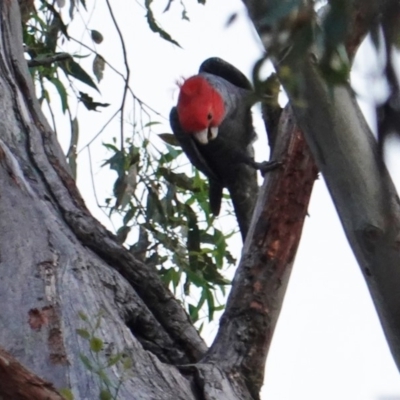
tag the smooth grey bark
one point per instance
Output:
(50, 268)
(346, 154)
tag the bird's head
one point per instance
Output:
(200, 108)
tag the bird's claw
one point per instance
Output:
(267, 166)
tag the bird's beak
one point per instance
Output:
(202, 136)
(206, 135)
(212, 132)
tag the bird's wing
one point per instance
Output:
(219, 67)
(215, 196)
(189, 146)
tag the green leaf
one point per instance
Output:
(61, 92)
(193, 313)
(114, 359)
(105, 395)
(46, 95)
(86, 362)
(151, 123)
(120, 192)
(104, 378)
(98, 67)
(96, 344)
(171, 155)
(155, 27)
(97, 37)
(83, 333)
(117, 163)
(171, 276)
(219, 241)
(89, 103)
(194, 310)
(110, 146)
(40, 21)
(99, 317)
(180, 180)
(210, 303)
(196, 279)
(56, 24)
(129, 215)
(71, 9)
(127, 364)
(122, 233)
(82, 316)
(72, 68)
(81, 56)
(201, 327)
(169, 138)
(67, 394)
(127, 187)
(154, 208)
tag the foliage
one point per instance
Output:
(155, 196)
(295, 26)
(165, 204)
(108, 390)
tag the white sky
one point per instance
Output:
(328, 343)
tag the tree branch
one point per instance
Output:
(364, 15)
(50, 164)
(46, 61)
(346, 153)
(254, 304)
(17, 383)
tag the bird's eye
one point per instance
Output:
(209, 116)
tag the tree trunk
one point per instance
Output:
(347, 155)
(57, 261)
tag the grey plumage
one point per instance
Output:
(228, 160)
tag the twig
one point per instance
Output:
(128, 72)
(46, 61)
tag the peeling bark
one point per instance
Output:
(254, 304)
(17, 383)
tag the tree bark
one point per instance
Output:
(57, 261)
(17, 383)
(346, 154)
(260, 283)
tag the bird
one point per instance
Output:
(213, 124)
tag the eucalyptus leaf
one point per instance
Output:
(153, 25)
(72, 68)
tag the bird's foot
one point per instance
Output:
(267, 166)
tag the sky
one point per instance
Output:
(328, 343)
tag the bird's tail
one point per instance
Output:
(215, 196)
(244, 192)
